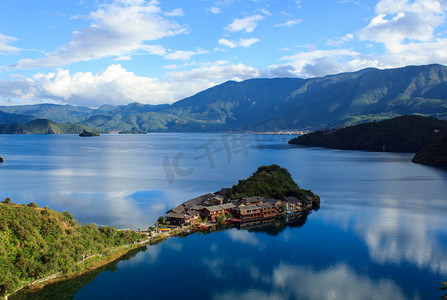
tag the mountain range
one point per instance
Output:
(270, 104)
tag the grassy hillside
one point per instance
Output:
(37, 242)
(434, 154)
(400, 134)
(43, 126)
(270, 182)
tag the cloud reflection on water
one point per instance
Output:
(304, 282)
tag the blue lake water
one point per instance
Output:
(381, 232)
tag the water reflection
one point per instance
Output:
(67, 289)
(396, 235)
(304, 282)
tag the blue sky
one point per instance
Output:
(93, 52)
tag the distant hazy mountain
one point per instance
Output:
(42, 126)
(400, 134)
(290, 103)
(8, 118)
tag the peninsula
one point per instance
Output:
(266, 195)
(401, 134)
(41, 245)
(434, 154)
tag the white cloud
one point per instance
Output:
(215, 10)
(174, 13)
(228, 43)
(247, 42)
(185, 55)
(247, 24)
(242, 42)
(320, 62)
(289, 23)
(117, 29)
(4, 44)
(399, 22)
(337, 42)
(116, 85)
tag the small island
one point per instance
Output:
(268, 194)
(1, 159)
(86, 133)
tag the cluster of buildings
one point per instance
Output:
(211, 206)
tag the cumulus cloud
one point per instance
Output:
(116, 85)
(405, 28)
(400, 22)
(107, 36)
(320, 62)
(247, 24)
(4, 44)
(289, 23)
(242, 42)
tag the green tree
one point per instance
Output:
(220, 219)
(7, 200)
(33, 205)
(161, 220)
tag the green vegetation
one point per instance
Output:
(434, 154)
(42, 126)
(401, 134)
(133, 131)
(37, 242)
(271, 182)
(87, 133)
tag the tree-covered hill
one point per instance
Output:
(271, 182)
(36, 242)
(400, 134)
(434, 154)
(43, 126)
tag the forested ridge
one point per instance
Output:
(400, 134)
(37, 242)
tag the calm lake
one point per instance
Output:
(381, 232)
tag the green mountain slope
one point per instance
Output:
(42, 126)
(38, 242)
(327, 102)
(434, 154)
(400, 134)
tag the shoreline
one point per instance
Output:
(110, 257)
